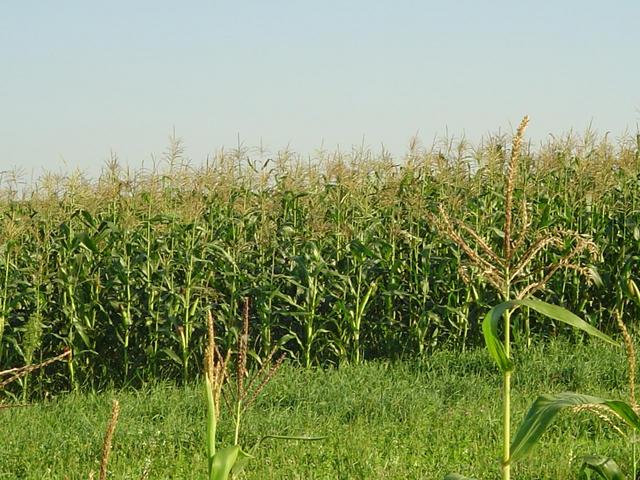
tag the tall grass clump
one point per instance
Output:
(222, 463)
(340, 251)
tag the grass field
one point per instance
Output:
(382, 420)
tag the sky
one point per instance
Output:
(80, 79)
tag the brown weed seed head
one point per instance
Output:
(108, 439)
(266, 378)
(215, 365)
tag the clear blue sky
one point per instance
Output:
(81, 78)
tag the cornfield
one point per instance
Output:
(336, 252)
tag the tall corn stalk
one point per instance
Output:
(508, 270)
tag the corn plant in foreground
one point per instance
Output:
(510, 273)
(223, 462)
(598, 465)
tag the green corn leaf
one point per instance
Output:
(83, 333)
(241, 462)
(490, 331)
(594, 275)
(456, 476)
(89, 221)
(285, 339)
(603, 467)
(226, 254)
(633, 291)
(211, 421)
(546, 407)
(492, 321)
(224, 460)
(86, 241)
(172, 355)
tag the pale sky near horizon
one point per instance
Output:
(79, 79)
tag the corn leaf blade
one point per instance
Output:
(224, 460)
(546, 407)
(211, 423)
(604, 467)
(491, 324)
(491, 336)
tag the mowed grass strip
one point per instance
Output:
(383, 420)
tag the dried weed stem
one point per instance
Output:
(22, 371)
(108, 439)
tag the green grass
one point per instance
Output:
(383, 420)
